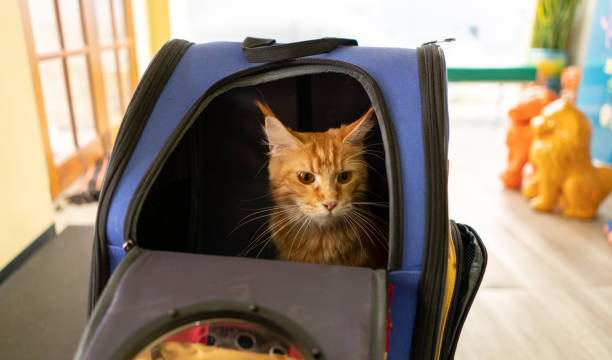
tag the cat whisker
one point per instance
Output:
(361, 153)
(366, 165)
(375, 229)
(356, 233)
(269, 208)
(370, 214)
(280, 209)
(274, 229)
(253, 243)
(260, 214)
(363, 228)
(260, 238)
(378, 155)
(378, 234)
(294, 222)
(308, 222)
(372, 194)
(373, 144)
(258, 197)
(346, 229)
(371, 203)
(263, 247)
(296, 235)
(378, 144)
(264, 165)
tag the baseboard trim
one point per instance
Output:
(23, 256)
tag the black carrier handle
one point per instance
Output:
(258, 50)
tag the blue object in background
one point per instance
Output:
(595, 92)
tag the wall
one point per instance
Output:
(151, 20)
(579, 35)
(141, 35)
(25, 202)
(159, 23)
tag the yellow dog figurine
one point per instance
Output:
(561, 157)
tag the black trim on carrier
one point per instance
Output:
(275, 71)
(148, 90)
(427, 328)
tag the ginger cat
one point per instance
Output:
(318, 181)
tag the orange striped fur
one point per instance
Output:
(302, 225)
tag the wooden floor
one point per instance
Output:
(547, 292)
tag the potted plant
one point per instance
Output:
(553, 22)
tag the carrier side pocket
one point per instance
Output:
(470, 271)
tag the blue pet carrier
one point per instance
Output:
(189, 164)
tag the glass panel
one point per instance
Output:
(56, 108)
(103, 17)
(81, 99)
(124, 69)
(221, 339)
(44, 26)
(111, 86)
(119, 19)
(70, 14)
(479, 103)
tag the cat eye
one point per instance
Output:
(306, 177)
(344, 177)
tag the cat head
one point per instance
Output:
(322, 174)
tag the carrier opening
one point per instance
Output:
(217, 175)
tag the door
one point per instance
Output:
(84, 71)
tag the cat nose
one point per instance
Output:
(330, 205)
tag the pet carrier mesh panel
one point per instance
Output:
(189, 163)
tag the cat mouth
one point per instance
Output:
(327, 218)
(324, 216)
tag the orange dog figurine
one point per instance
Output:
(532, 100)
(564, 174)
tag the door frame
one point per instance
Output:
(62, 174)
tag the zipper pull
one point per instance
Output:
(438, 42)
(128, 245)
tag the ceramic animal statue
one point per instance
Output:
(564, 174)
(318, 181)
(531, 102)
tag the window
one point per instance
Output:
(84, 72)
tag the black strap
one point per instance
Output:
(258, 50)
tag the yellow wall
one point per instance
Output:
(25, 203)
(159, 23)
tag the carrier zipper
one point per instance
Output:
(387, 131)
(432, 285)
(145, 96)
(437, 42)
(128, 245)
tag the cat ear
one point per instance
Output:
(355, 132)
(279, 137)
